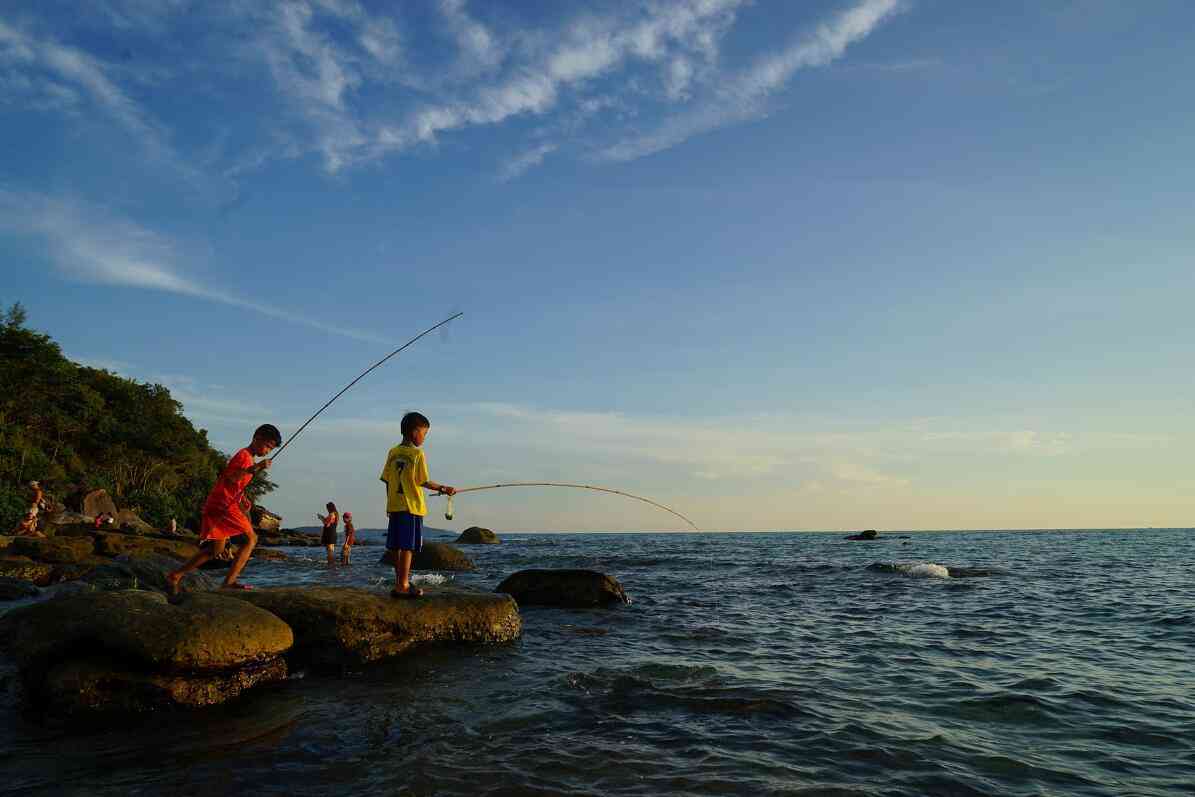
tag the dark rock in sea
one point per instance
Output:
(343, 626)
(475, 535)
(131, 650)
(98, 502)
(972, 572)
(573, 588)
(26, 569)
(868, 535)
(435, 556)
(289, 537)
(12, 589)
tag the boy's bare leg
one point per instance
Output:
(205, 554)
(243, 555)
(402, 572)
(331, 553)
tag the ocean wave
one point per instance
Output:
(912, 569)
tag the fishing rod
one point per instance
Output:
(364, 373)
(345, 389)
(448, 508)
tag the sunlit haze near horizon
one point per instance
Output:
(841, 264)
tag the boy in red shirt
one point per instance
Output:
(224, 511)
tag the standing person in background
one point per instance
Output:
(350, 539)
(328, 540)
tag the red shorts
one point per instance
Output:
(222, 523)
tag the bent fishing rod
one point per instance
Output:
(345, 389)
(448, 508)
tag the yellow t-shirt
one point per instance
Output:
(405, 472)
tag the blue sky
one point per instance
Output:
(818, 265)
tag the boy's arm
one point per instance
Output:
(439, 488)
(231, 475)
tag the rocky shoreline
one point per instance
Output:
(99, 633)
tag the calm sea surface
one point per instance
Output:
(746, 664)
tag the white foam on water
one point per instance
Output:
(430, 578)
(923, 570)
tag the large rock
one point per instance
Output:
(435, 556)
(133, 650)
(572, 588)
(475, 535)
(5, 542)
(343, 626)
(25, 569)
(97, 502)
(202, 631)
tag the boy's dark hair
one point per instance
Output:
(412, 421)
(270, 432)
(331, 507)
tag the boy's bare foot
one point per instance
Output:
(411, 591)
(236, 585)
(172, 581)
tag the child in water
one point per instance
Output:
(405, 475)
(350, 539)
(224, 511)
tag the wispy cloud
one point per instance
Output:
(744, 95)
(92, 244)
(526, 160)
(353, 83)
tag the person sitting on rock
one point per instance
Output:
(405, 475)
(224, 511)
(350, 539)
(328, 538)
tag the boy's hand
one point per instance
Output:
(264, 464)
(444, 488)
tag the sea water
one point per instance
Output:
(744, 664)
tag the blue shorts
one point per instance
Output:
(405, 532)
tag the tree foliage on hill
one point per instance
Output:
(78, 428)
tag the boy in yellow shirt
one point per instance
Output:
(405, 474)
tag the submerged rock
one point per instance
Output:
(101, 683)
(475, 535)
(435, 556)
(133, 650)
(343, 626)
(12, 589)
(572, 588)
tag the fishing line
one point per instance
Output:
(448, 509)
